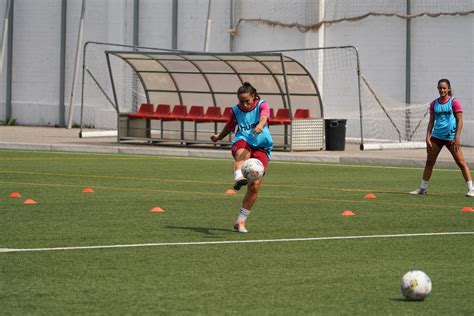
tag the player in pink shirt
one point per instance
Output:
(444, 129)
(252, 139)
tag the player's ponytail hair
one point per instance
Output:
(248, 88)
(446, 81)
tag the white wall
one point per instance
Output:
(155, 23)
(35, 87)
(192, 23)
(441, 47)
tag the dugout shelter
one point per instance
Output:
(199, 89)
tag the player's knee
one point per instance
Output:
(254, 187)
(242, 155)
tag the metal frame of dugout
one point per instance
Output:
(211, 79)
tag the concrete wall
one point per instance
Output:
(35, 86)
(441, 47)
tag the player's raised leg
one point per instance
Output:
(241, 152)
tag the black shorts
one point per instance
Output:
(441, 142)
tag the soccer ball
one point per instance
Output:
(415, 285)
(252, 169)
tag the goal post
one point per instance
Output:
(98, 106)
(374, 121)
(389, 123)
(383, 120)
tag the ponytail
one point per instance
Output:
(248, 88)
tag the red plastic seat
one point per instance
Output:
(282, 117)
(196, 112)
(213, 114)
(179, 113)
(162, 111)
(144, 110)
(302, 114)
(225, 116)
(272, 115)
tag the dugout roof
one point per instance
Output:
(212, 79)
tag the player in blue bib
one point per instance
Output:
(445, 121)
(444, 129)
(247, 121)
(252, 140)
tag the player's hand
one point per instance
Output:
(428, 145)
(456, 144)
(215, 138)
(258, 129)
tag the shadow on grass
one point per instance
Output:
(400, 299)
(201, 230)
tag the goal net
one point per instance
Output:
(99, 106)
(374, 119)
(388, 123)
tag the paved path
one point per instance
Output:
(60, 139)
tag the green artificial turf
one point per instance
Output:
(297, 200)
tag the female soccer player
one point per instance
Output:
(252, 140)
(444, 129)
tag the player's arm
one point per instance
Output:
(457, 137)
(264, 114)
(217, 137)
(259, 128)
(457, 109)
(228, 128)
(429, 130)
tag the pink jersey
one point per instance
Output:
(456, 105)
(264, 111)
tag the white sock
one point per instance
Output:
(238, 174)
(469, 185)
(244, 213)
(424, 184)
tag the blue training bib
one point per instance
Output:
(246, 123)
(445, 125)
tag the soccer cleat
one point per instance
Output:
(239, 226)
(418, 191)
(240, 182)
(470, 193)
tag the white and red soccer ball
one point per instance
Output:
(252, 169)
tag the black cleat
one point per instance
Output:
(240, 183)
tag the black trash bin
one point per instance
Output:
(335, 134)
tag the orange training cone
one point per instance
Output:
(15, 195)
(467, 210)
(88, 190)
(29, 202)
(157, 210)
(348, 213)
(370, 196)
(230, 192)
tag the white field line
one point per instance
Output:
(200, 243)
